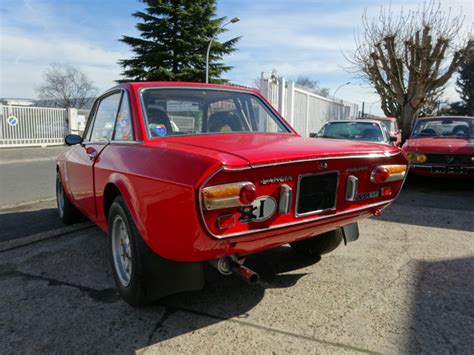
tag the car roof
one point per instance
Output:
(359, 120)
(182, 84)
(443, 117)
(383, 118)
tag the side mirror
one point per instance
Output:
(73, 139)
(313, 135)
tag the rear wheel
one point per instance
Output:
(66, 210)
(319, 245)
(128, 253)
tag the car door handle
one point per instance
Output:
(92, 155)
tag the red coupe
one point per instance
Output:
(442, 146)
(179, 174)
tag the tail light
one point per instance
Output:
(228, 195)
(387, 173)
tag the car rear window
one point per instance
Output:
(172, 112)
(364, 131)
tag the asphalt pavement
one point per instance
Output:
(405, 286)
(27, 175)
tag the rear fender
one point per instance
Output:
(129, 195)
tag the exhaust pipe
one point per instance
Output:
(244, 273)
(232, 266)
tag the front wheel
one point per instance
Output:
(127, 253)
(66, 210)
(320, 244)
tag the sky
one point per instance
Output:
(296, 38)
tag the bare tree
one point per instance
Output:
(66, 86)
(309, 83)
(410, 56)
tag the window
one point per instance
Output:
(444, 127)
(171, 112)
(364, 131)
(105, 118)
(123, 126)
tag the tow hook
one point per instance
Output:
(231, 265)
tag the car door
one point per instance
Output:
(80, 173)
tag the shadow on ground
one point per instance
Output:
(61, 297)
(19, 224)
(447, 301)
(425, 201)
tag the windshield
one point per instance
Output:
(362, 131)
(171, 112)
(390, 125)
(444, 127)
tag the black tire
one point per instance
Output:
(320, 244)
(134, 291)
(66, 210)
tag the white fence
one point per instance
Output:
(305, 110)
(32, 126)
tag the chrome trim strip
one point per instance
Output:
(387, 202)
(256, 166)
(385, 155)
(126, 142)
(298, 215)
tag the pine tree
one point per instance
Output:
(465, 84)
(174, 35)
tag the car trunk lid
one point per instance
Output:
(262, 149)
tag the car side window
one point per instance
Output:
(105, 118)
(123, 126)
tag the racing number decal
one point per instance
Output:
(261, 209)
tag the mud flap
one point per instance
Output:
(166, 277)
(350, 233)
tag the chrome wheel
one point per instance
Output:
(60, 197)
(121, 250)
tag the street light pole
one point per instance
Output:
(340, 86)
(234, 20)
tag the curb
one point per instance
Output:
(38, 237)
(25, 204)
(19, 161)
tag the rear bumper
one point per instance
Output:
(269, 240)
(443, 170)
(206, 248)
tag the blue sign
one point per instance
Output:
(12, 121)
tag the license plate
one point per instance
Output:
(448, 169)
(316, 192)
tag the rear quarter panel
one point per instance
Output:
(158, 186)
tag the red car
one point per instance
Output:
(179, 174)
(442, 146)
(392, 126)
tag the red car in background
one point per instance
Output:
(392, 126)
(179, 174)
(442, 146)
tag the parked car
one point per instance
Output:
(442, 146)
(392, 126)
(236, 179)
(358, 130)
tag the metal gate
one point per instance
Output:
(306, 111)
(32, 126)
